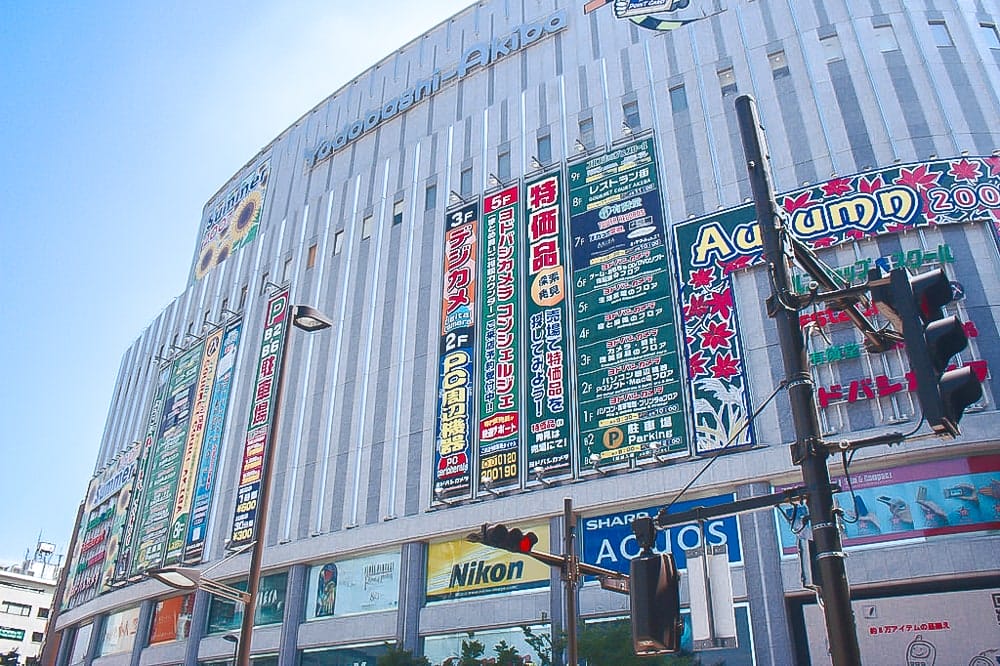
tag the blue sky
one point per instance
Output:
(118, 121)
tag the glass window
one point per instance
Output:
(885, 37)
(80, 644)
(225, 616)
(587, 132)
(343, 656)
(503, 166)
(43, 612)
(727, 81)
(430, 197)
(13, 608)
(286, 271)
(831, 47)
(544, 148)
(366, 226)
(338, 241)
(678, 99)
(940, 34)
(37, 636)
(397, 213)
(465, 182)
(631, 113)
(779, 64)
(311, 256)
(438, 649)
(990, 34)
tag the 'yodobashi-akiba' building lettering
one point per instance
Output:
(482, 54)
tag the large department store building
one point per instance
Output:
(531, 230)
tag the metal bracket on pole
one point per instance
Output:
(889, 439)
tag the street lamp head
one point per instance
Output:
(309, 319)
(232, 638)
(179, 578)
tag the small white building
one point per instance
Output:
(26, 593)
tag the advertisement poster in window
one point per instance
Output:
(119, 631)
(357, 585)
(608, 540)
(628, 374)
(934, 629)
(458, 569)
(954, 496)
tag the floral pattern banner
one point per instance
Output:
(841, 210)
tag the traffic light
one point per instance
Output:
(914, 306)
(514, 540)
(654, 592)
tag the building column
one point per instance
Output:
(294, 615)
(96, 634)
(199, 621)
(413, 565)
(142, 630)
(765, 586)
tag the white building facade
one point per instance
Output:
(529, 228)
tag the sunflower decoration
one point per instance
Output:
(225, 249)
(244, 218)
(206, 260)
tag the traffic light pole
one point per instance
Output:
(571, 576)
(808, 450)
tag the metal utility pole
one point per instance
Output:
(571, 575)
(808, 450)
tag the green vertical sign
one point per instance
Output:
(627, 366)
(499, 397)
(546, 412)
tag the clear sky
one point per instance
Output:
(118, 121)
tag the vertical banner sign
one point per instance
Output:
(499, 418)
(192, 450)
(123, 563)
(267, 387)
(453, 439)
(627, 369)
(165, 464)
(208, 465)
(546, 411)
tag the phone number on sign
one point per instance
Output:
(896, 628)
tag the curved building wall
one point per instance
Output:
(348, 208)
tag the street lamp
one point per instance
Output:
(190, 579)
(186, 578)
(308, 319)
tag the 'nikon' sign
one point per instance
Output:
(475, 56)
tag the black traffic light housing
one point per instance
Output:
(913, 304)
(512, 539)
(654, 595)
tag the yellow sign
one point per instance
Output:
(459, 568)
